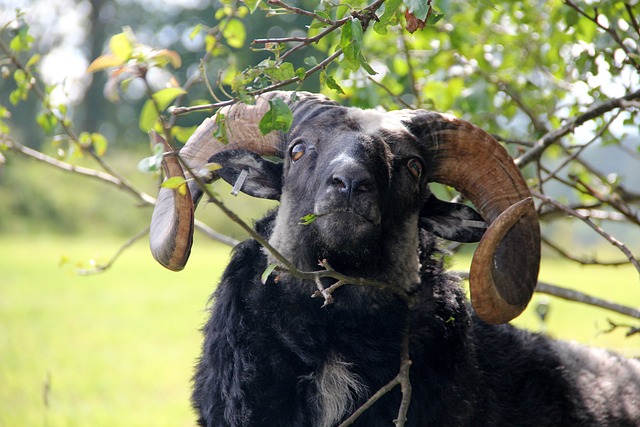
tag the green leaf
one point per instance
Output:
(152, 163)
(330, 82)
(308, 219)
(279, 72)
(419, 8)
(220, 133)
(364, 64)
(434, 18)
(252, 4)
(99, 143)
(342, 10)
(173, 182)
(311, 61)
(181, 133)
(195, 31)
(235, 33)
(48, 122)
(390, 9)
(33, 61)
(148, 116)
(22, 41)
(165, 97)
(267, 272)
(120, 46)
(301, 73)
(279, 117)
(351, 38)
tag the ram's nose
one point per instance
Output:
(351, 180)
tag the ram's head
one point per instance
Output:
(360, 178)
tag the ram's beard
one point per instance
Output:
(347, 238)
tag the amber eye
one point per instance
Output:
(298, 150)
(415, 167)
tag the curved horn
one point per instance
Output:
(171, 229)
(504, 269)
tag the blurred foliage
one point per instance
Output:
(518, 69)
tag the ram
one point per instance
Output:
(274, 356)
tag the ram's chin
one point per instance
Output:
(349, 236)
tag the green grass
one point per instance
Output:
(118, 349)
(115, 349)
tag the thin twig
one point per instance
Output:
(299, 11)
(608, 237)
(278, 85)
(576, 296)
(68, 167)
(575, 155)
(66, 126)
(612, 33)
(391, 94)
(364, 17)
(286, 266)
(103, 267)
(553, 136)
(632, 18)
(581, 261)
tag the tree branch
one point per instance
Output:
(612, 33)
(553, 136)
(621, 246)
(582, 261)
(102, 267)
(68, 167)
(576, 296)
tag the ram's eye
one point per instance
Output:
(298, 150)
(415, 167)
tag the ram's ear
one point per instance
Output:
(250, 173)
(452, 221)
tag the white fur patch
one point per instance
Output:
(343, 158)
(338, 389)
(372, 121)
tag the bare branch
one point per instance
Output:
(582, 261)
(553, 136)
(583, 147)
(612, 33)
(299, 11)
(68, 167)
(576, 296)
(632, 18)
(103, 267)
(631, 329)
(621, 246)
(214, 235)
(364, 17)
(505, 87)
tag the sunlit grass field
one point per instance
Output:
(118, 348)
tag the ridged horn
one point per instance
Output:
(172, 222)
(504, 269)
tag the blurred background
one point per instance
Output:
(118, 347)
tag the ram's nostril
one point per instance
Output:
(339, 183)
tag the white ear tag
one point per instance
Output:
(239, 182)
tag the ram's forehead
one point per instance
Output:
(375, 122)
(388, 127)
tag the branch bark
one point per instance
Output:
(555, 135)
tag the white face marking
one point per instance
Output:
(372, 121)
(343, 158)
